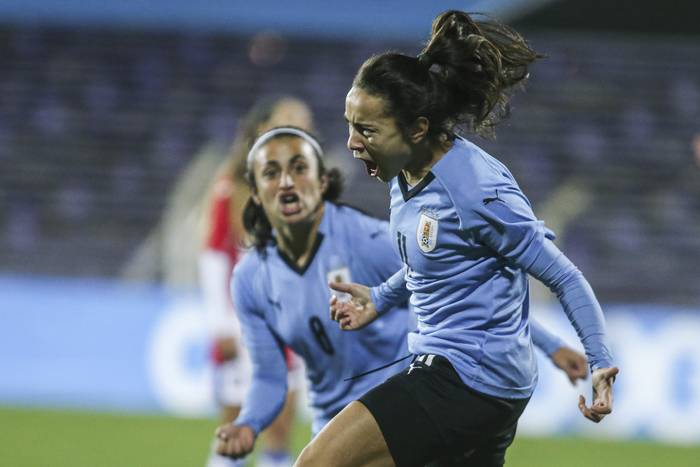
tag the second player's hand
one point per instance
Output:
(356, 313)
(571, 362)
(602, 380)
(234, 441)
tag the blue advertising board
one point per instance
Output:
(112, 346)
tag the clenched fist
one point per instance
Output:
(234, 441)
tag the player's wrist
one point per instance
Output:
(377, 301)
(248, 426)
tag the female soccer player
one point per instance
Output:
(303, 239)
(468, 239)
(224, 238)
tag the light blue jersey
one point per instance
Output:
(468, 238)
(278, 304)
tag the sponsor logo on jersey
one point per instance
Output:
(427, 232)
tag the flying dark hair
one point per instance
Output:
(255, 220)
(463, 78)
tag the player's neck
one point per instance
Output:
(421, 164)
(297, 241)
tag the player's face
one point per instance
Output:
(375, 137)
(287, 182)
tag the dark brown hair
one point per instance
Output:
(463, 78)
(255, 220)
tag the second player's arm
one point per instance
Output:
(268, 389)
(562, 356)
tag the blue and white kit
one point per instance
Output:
(468, 238)
(278, 304)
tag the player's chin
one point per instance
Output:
(385, 174)
(302, 215)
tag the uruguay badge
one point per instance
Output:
(427, 232)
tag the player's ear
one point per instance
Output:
(324, 183)
(250, 178)
(419, 130)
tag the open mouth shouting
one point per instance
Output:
(371, 167)
(290, 204)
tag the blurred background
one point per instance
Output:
(114, 117)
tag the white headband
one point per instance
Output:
(284, 130)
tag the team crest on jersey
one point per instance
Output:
(427, 232)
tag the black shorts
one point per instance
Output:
(428, 416)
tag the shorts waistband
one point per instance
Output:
(429, 359)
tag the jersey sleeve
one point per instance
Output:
(555, 270)
(390, 293)
(507, 225)
(268, 389)
(543, 339)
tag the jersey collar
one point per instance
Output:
(408, 194)
(293, 266)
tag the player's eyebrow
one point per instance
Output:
(368, 126)
(296, 158)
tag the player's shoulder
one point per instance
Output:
(248, 267)
(469, 174)
(353, 220)
(468, 164)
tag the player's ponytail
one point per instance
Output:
(334, 185)
(256, 223)
(480, 64)
(463, 77)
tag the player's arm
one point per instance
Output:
(268, 389)
(509, 227)
(555, 270)
(562, 356)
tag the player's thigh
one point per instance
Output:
(489, 452)
(352, 438)
(493, 453)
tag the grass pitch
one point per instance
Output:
(51, 438)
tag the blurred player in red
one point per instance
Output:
(223, 248)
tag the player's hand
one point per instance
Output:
(602, 380)
(226, 348)
(234, 441)
(571, 362)
(355, 313)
